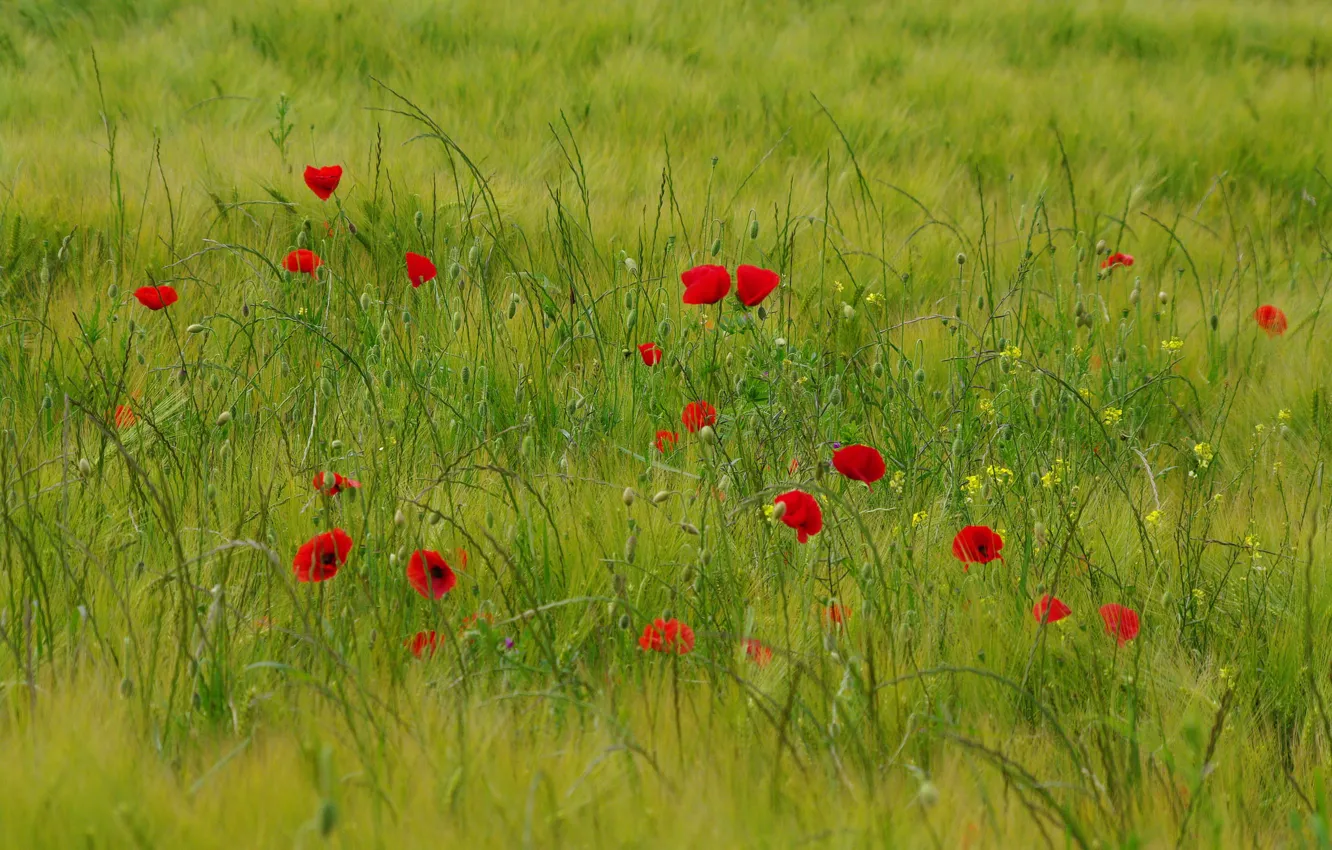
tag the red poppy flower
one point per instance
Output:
(697, 414)
(481, 616)
(1049, 609)
(339, 484)
(422, 642)
(319, 557)
(859, 463)
(665, 437)
(758, 652)
(706, 284)
(420, 269)
(302, 260)
(753, 284)
(323, 181)
(430, 574)
(802, 513)
(1270, 319)
(1120, 622)
(650, 352)
(1117, 259)
(670, 636)
(977, 544)
(123, 416)
(156, 297)
(837, 615)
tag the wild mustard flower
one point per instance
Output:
(918, 517)
(1170, 346)
(1204, 453)
(1111, 416)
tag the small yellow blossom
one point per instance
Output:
(1172, 345)
(1111, 415)
(1012, 353)
(767, 511)
(1152, 518)
(1252, 544)
(1283, 415)
(1204, 453)
(1259, 429)
(803, 379)
(971, 485)
(837, 284)
(873, 298)
(1055, 475)
(918, 517)
(987, 408)
(899, 479)
(1085, 393)
(999, 474)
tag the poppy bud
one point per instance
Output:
(707, 435)
(628, 497)
(920, 376)
(406, 317)
(716, 246)
(85, 468)
(631, 266)
(878, 369)
(630, 319)
(490, 519)
(399, 518)
(513, 309)
(183, 376)
(457, 322)
(525, 448)
(661, 496)
(687, 574)
(1101, 247)
(753, 229)
(1215, 321)
(365, 301)
(196, 329)
(629, 300)
(466, 375)
(351, 227)
(223, 418)
(961, 258)
(928, 794)
(112, 291)
(778, 511)
(625, 622)
(473, 254)
(980, 302)
(762, 313)
(419, 218)
(848, 312)
(300, 239)
(1135, 295)
(1163, 297)
(336, 445)
(127, 687)
(630, 548)
(689, 528)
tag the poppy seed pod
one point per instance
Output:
(223, 418)
(628, 497)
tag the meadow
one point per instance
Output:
(501, 485)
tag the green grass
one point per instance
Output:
(933, 182)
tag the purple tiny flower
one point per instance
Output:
(508, 643)
(836, 445)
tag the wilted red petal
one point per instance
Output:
(665, 438)
(323, 181)
(697, 414)
(706, 284)
(302, 260)
(419, 269)
(977, 544)
(430, 574)
(1050, 609)
(802, 513)
(1120, 622)
(859, 463)
(650, 352)
(156, 297)
(1270, 319)
(758, 652)
(123, 416)
(1117, 259)
(753, 284)
(422, 642)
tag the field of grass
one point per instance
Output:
(940, 187)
